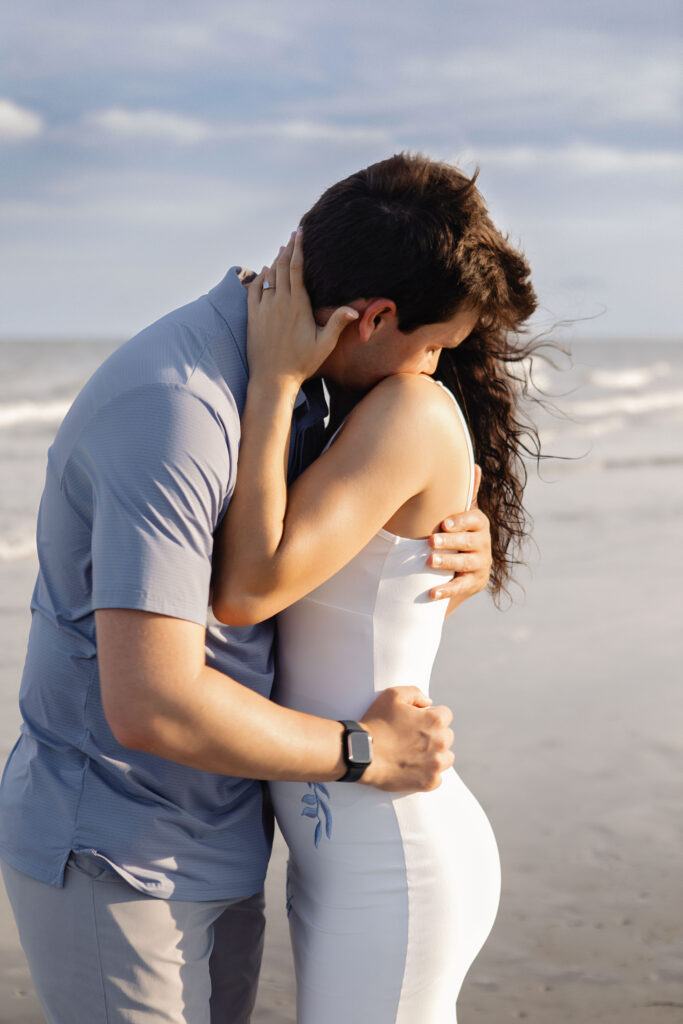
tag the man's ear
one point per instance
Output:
(376, 314)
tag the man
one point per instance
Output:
(133, 831)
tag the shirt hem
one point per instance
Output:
(19, 864)
(191, 894)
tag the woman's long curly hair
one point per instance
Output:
(488, 375)
(418, 232)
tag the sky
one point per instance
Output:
(148, 145)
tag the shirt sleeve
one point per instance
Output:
(158, 467)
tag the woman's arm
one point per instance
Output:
(274, 548)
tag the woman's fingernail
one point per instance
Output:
(438, 541)
(299, 230)
(448, 523)
(282, 249)
(436, 559)
(438, 595)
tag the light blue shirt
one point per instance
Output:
(138, 478)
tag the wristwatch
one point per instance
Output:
(357, 750)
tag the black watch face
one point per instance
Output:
(360, 749)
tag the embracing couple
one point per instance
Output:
(134, 830)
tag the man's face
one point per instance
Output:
(373, 347)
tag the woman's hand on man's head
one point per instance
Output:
(284, 342)
(464, 548)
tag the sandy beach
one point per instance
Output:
(568, 717)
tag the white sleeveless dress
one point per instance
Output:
(390, 897)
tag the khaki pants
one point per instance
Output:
(100, 952)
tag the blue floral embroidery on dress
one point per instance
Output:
(316, 806)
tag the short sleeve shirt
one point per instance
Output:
(138, 478)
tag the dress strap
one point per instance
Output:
(468, 437)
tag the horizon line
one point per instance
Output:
(120, 339)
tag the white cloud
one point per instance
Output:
(534, 84)
(154, 125)
(578, 157)
(18, 123)
(313, 131)
(167, 126)
(120, 199)
(577, 78)
(301, 130)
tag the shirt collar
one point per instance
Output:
(229, 299)
(311, 402)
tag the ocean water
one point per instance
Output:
(620, 405)
(38, 382)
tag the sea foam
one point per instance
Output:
(18, 549)
(652, 401)
(15, 413)
(629, 378)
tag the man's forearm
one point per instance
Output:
(159, 696)
(231, 730)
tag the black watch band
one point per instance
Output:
(357, 750)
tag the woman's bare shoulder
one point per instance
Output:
(426, 430)
(415, 405)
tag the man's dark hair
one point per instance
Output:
(418, 232)
(415, 231)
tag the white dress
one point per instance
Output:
(390, 897)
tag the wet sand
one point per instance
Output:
(568, 711)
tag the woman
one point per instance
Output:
(390, 898)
